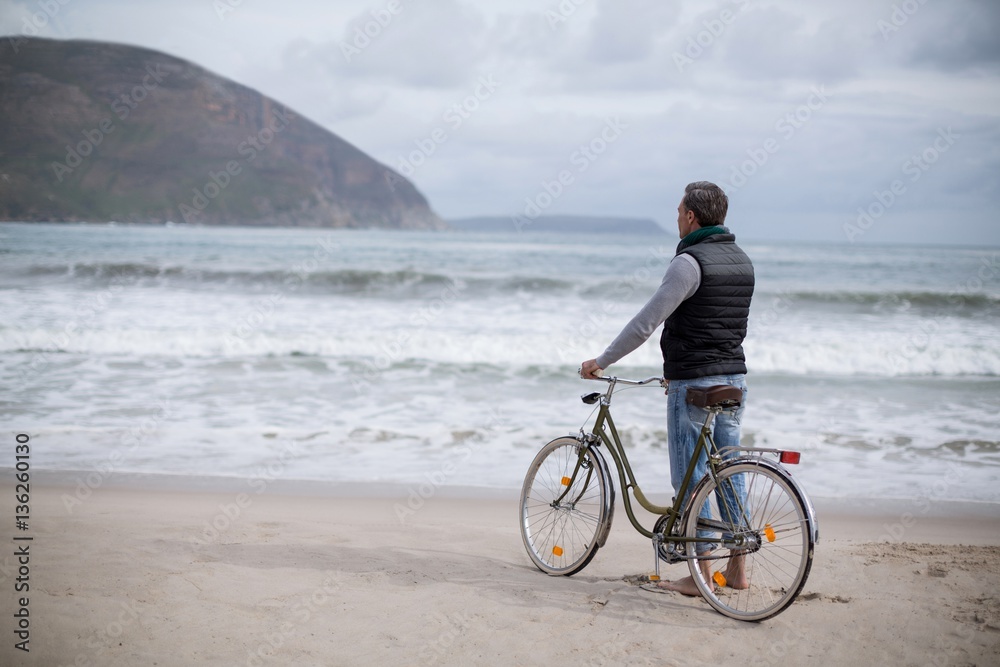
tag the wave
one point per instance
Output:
(946, 356)
(411, 282)
(343, 281)
(400, 283)
(769, 301)
(893, 301)
(882, 360)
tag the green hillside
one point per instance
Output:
(100, 132)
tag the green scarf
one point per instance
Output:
(699, 235)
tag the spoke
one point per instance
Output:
(774, 570)
(561, 538)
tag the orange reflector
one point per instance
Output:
(557, 551)
(719, 578)
(654, 577)
(769, 533)
(566, 481)
(791, 458)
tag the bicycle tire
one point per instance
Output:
(563, 539)
(779, 549)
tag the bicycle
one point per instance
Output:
(762, 520)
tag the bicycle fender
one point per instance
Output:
(773, 467)
(609, 500)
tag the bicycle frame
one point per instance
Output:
(604, 431)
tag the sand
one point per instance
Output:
(172, 571)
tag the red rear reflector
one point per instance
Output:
(790, 458)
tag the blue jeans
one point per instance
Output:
(685, 422)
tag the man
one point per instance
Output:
(703, 303)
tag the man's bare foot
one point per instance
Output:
(735, 574)
(685, 586)
(735, 577)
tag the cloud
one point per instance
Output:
(775, 44)
(326, 97)
(956, 37)
(627, 31)
(436, 44)
(751, 64)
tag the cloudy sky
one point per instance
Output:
(843, 120)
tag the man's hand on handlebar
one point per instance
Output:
(589, 370)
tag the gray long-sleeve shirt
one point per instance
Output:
(680, 282)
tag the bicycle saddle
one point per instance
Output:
(719, 396)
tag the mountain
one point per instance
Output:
(107, 132)
(564, 224)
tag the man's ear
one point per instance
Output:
(691, 218)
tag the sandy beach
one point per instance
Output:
(183, 571)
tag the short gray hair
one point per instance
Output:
(707, 201)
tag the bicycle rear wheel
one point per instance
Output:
(758, 544)
(562, 518)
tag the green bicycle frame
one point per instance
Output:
(605, 423)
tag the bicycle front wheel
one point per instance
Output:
(562, 515)
(758, 541)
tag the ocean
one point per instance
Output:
(449, 359)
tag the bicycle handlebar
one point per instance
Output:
(618, 380)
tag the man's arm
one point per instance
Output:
(682, 279)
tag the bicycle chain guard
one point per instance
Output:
(669, 552)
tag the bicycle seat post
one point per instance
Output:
(712, 412)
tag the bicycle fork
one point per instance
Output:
(588, 459)
(582, 461)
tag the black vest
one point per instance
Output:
(704, 336)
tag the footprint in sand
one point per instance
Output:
(808, 597)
